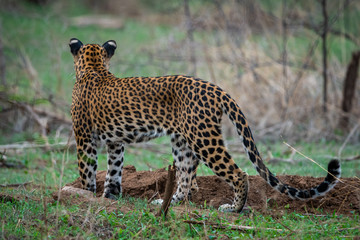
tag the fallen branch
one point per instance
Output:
(15, 185)
(69, 195)
(353, 158)
(348, 159)
(44, 119)
(231, 226)
(42, 122)
(277, 160)
(9, 164)
(97, 20)
(28, 145)
(53, 116)
(169, 188)
(77, 192)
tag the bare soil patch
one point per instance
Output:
(343, 199)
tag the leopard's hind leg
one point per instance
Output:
(213, 153)
(115, 158)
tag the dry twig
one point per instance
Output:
(292, 148)
(170, 183)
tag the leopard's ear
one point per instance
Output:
(75, 45)
(110, 47)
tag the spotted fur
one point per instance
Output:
(118, 111)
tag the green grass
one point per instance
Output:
(25, 218)
(41, 219)
(28, 219)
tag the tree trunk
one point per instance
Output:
(2, 59)
(284, 50)
(349, 89)
(324, 33)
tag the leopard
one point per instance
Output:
(115, 112)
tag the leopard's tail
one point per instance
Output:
(235, 115)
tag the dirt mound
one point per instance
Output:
(343, 199)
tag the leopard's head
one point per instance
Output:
(91, 55)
